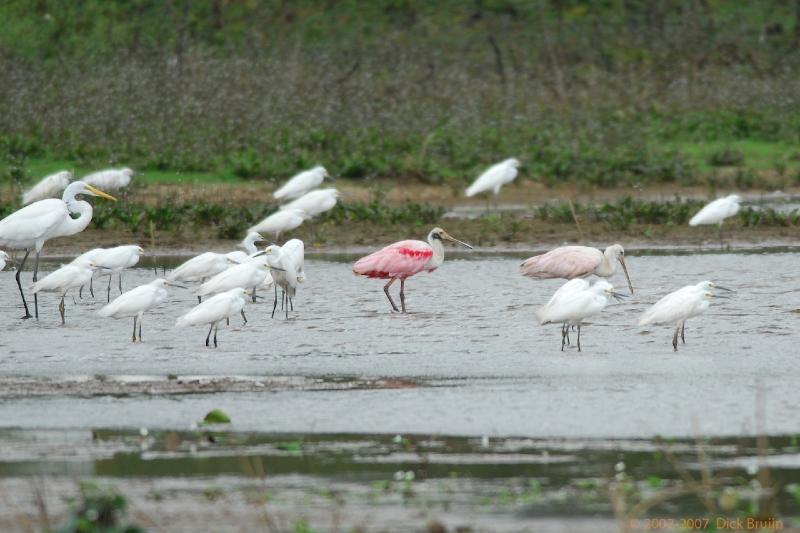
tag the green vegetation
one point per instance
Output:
(216, 416)
(600, 93)
(99, 510)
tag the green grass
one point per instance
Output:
(757, 154)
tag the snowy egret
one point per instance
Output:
(249, 246)
(214, 310)
(136, 301)
(716, 212)
(3, 259)
(35, 224)
(679, 306)
(291, 260)
(110, 179)
(575, 305)
(249, 274)
(90, 255)
(115, 260)
(495, 177)
(70, 276)
(403, 259)
(315, 202)
(48, 187)
(571, 287)
(281, 221)
(301, 183)
(571, 262)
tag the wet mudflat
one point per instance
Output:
(468, 365)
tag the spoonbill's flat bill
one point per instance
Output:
(404, 259)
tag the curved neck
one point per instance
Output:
(438, 252)
(249, 245)
(84, 211)
(608, 266)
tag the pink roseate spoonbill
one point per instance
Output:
(403, 259)
(570, 262)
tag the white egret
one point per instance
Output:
(281, 221)
(315, 202)
(570, 262)
(48, 187)
(115, 260)
(33, 225)
(573, 286)
(3, 259)
(716, 212)
(291, 261)
(574, 306)
(249, 246)
(249, 274)
(301, 183)
(136, 301)
(90, 255)
(217, 308)
(679, 306)
(495, 177)
(70, 276)
(110, 179)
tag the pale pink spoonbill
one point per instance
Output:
(570, 262)
(403, 259)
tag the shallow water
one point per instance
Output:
(469, 357)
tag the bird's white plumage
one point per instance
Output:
(137, 300)
(216, 308)
(70, 276)
(291, 260)
(717, 211)
(494, 177)
(3, 259)
(251, 273)
(280, 221)
(50, 186)
(110, 179)
(679, 306)
(576, 303)
(118, 258)
(315, 202)
(301, 183)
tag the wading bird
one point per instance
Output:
(290, 261)
(301, 183)
(115, 260)
(315, 202)
(215, 309)
(573, 286)
(136, 301)
(281, 221)
(716, 212)
(251, 273)
(90, 255)
(575, 305)
(403, 259)
(248, 244)
(4, 258)
(679, 306)
(33, 225)
(49, 187)
(495, 177)
(571, 262)
(110, 179)
(67, 277)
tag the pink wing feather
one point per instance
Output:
(399, 260)
(566, 262)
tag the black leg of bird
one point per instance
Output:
(140, 330)
(61, 309)
(386, 290)
(108, 291)
(120, 282)
(215, 336)
(133, 337)
(675, 338)
(19, 284)
(403, 294)
(91, 286)
(579, 337)
(563, 335)
(275, 303)
(244, 317)
(35, 279)
(209, 333)
(683, 329)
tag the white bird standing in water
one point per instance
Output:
(495, 177)
(249, 274)
(136, 301)
(110, 179)
(115, 260)
(301, 183)
(90, 255)
(248, 244)
(716, 212)
(679, 306)
(3, 259)
(281, 221)
(48, 187)
(575, 305)
(33, 225)
(217, 308)
(291, 261)
(315, 202)
(67, 277)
